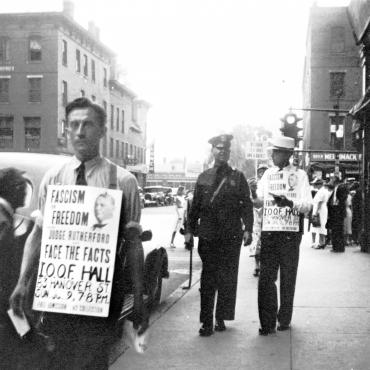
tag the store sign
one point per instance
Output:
(256, 150)
(331, 156)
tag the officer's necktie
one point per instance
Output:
(81, 179)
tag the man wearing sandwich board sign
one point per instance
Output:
(82, 340)
(284, 191)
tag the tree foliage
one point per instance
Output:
(242, 134)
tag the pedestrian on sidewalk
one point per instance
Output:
(180, 205)
(285, 192)
(337, 213)
(221, 207)
(320, 214)
(83, 342)
(12, 195)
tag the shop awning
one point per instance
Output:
(361, 106)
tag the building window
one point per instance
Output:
(112, 116)
(117, 149)
(105, 106)
(133, 112)
(131, 150)
(4, 49)
(122, 150)
(93, 97)
(337, 85)
(337, 132)
(64, 93)
(105, 77)
(78, 60)
(4, 90)
(6, 132)
(117, 119)
(32, 132)
(34, 89)
(111, 148)
(64, 52)
(86, 66)
(35, 50)
(337, 44)
(126, 151)
(123, 121)
(63, 128)
(82, 93)
(93, 70)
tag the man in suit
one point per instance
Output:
(221, 215)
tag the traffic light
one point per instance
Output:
(290, 128)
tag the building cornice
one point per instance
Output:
(56, 17)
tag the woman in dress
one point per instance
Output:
(320, 210)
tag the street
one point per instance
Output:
(161, 220)
(330, 327)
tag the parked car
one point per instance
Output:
(154, 195)
(142, 199)
(35, 165)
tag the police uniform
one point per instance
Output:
(282, 228)
(220, 207)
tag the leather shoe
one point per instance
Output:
(264, 331)
(283, 327)
(220, 325)
(205, 331)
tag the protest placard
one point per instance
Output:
(78, 249)
(282, 218)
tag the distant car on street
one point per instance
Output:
(154, 195)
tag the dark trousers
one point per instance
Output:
(81, 342)
(336, 224)
(278, 250)
(220, 260)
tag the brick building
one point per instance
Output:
(331, 85)
(48, 59)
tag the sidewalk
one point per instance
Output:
(330, 327)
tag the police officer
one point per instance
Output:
(285, 192)
(221, 215)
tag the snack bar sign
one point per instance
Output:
(78, 249)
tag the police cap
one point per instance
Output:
(224, 139)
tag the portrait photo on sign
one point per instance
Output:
(104, 208)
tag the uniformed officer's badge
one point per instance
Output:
(232, 183)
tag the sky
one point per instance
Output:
(203, 65)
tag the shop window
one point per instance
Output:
(35, 49)
(6, 132)
(32, 132)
